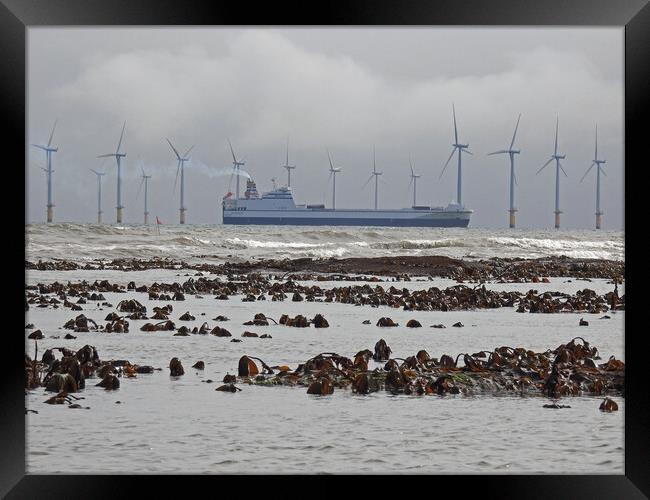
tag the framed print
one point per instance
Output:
(371, 239)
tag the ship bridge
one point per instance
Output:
(276, 199)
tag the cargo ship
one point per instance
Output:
(277, 207)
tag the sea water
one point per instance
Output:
(182, 425)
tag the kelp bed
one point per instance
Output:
(569, 370)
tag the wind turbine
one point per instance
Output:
(558, 166)
(374, 174)
(236, 164)
(333, 172)
(288, 167)
(599, 170)
(181, 167)
(145, 181)
(461, 148)
(414, 180)
(99, 194)
(118, 157)
(513, 177)
(48, 156)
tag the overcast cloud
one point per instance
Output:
(341, 89)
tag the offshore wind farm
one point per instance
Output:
(278, 206)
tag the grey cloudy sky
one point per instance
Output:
(342, 89)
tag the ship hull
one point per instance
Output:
(349, 218)
(280, 221)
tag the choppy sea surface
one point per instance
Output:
(218, 242)
(182, 425)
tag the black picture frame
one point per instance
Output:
(16, 16)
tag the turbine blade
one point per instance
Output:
(596, 150)
(172, 146)
(515, 134)
(557, 121)
(497, 152)
(106, 156)
(447, 163)
(44, 148)
(455, 128)
(287, 163)
(139, 188)
(330, 159)
(544, 166)
(52, 133)
(468, 151)
(374, 159)
(411, 165)
(94, 171)
(562, 168)
(232, 151)
(188, 151)
(515, 177)
(602, 170)
(121, 136)
(583, 177)
(366, 183)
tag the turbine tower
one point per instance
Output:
(48, 156)
(333, 172)
(599, 170)
(145, 181)
(558, 166)
(513, 177)
(287, 166)
(99, 194)
(118, 157)
(374, 174)
(236, 164)
(181, 168)
(414, 181)
(461, 148)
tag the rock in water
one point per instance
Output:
(386, 322)
(608, 405)
(382, 351)
(176, 368)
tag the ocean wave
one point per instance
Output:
(420, 244)
(194, 242)
(557, 244)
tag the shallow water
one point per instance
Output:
(183, 425)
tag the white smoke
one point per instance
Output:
(210, 171)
